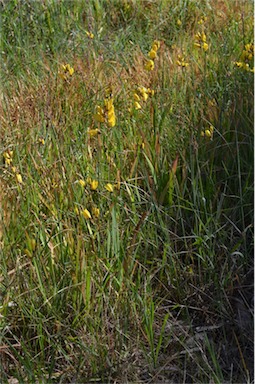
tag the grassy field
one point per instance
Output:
(126, 201)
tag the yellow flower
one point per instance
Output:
(136, 97)
(19, 178)
(208, 133)
(66, 71)
(202, 20)
(93, 132)
(248, 52)
(108, 92)
(156, 45)
(181, 61)
(108, 104)
(109, 108)
(89, 34)
(149, 66)
(205, 47)
(111, 118)
(239, 64)
(93, 185)
(137, 105)
(95, 211)
(143, 92)
(200, 41)
(7, 157)
(152, 54)
(151, 92)
(109, 187)
(41, 140)
(179, 23)
(82, 183)
(86, 214)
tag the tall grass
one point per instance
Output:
(126, 251)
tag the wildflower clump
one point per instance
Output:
(149, 65)
(106, 114)
(141, 94)
(181, 62)
(246, 58)
(66, 72)
(201, 41)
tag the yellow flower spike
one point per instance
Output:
(109, 187)
(96, 212)
(93, 185)
(89, 34)
(202, 134)
(200, 41)
(149, 66)
(82, 183)
(152, 54)
(179, 23)
(93, 132)
(76, 210)
(211, 129)
(137, 105)
(19, 178)
(86, 214)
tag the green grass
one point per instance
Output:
(156, 285)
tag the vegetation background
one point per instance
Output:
(126, 221)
